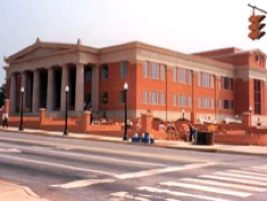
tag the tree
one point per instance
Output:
(2, 95)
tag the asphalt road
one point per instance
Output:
(63, 169)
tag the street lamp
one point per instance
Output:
(21, 109)
(66, 112)
(250, 109)
(183, 114)
(125, 86)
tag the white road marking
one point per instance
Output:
(255, 170)
(146, 173)
(243, 181)
(249, 173)
(230, 185)
(85, 156)
(56, 165)
(11, 150)
(83, 183)
(166, 191)
(240, 176)
(260, 167)
(207, 189)
(170, 199)
(125, 195)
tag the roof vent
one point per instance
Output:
(38, 40)
(79, 42)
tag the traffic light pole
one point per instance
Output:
(254, 7)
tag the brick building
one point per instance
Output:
(211, 85)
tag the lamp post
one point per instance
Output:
(21, 109)
(250, 109)
(183, 114)
(66, 112)
(125, 86)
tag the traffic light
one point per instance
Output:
(256, 27)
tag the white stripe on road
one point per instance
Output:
(260, 167)
(56, 165)
(125, 195)
(83, 155)
(207, 189)
(166, 191)
(83, 183)
(243, 181)
(240, 176)
(255, 170)
(10, 150)
(164, 170)
(249, 173)
(230, 185)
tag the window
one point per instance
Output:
(199, 79)
(206, 103)
(145, 69)
(122, 96)
(123, 70)
(220, 104)
(104, 71)
(174, 99)
(162, 71)
(257, 96)
(145, 97)
(206, 79)
(154, 98)
(189, 101)
(174, 74)
(182, 77)
(212, 103)
(212, 81)
(104, 97)
(227, 83)
(199, 102)
(189, 77)
(182, 100)
(162, 99)
(226, 104)
(88, 74)
(154, 70)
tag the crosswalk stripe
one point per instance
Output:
(166, 191)
(255, 170)
(243, 181)
(240, 176)
(127, 195)
(230, 185)
(170, 199)
(207, 189)
(260, 167)
(249, 173)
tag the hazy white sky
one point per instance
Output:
(186, 26)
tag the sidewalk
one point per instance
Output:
(12, 192)
(233, 149)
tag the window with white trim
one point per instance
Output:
(174, 74)
(189, 77)
(162, 71)
(220, 104)
(145, 97)
(182, 100)
(123, 69)
(154, 98)
(212, 103)
(205, 103)
(182, 75)
(174, 100)
(154, 70)
(212, 81)
(199, 102)
(206, 80)
(145, 69)
(162, 99)
(189, 102)
(199, 79)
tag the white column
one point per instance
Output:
(95, 88)
(12, 95)
(79, 88)
(50, 89)
(36, 91)
(24, 84)
(64, 83)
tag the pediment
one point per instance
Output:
(39, 50)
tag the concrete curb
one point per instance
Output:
(27, 190)
(209, 149)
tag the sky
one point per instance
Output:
(185, 26)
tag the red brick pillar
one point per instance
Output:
(41, 117)
(247, 119)
(86, 121)
(6, 106)
(146, 122)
